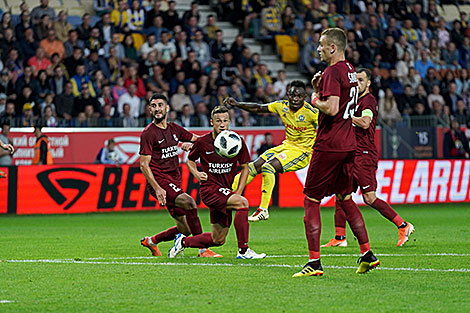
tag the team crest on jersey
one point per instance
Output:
(301, 118)
(175, 137)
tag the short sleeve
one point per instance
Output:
(183, 134)
(146, 143)
(331, 83)
(244, 155)
(194, 153)
(274, 107)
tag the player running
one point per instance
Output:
(365, 166)
(160, 165)
(300, 121)
(216, 180)
(331, 168)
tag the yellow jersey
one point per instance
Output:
(301, 126)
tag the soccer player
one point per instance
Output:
(160, 165)
(365, 165)
(216, 180)
(331, 168)
(300, 120)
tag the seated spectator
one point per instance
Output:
(28, 45)
(406, 101)
(115, 65)
(148, 46)
(43, 9)
(49, 118)
(217, 46)
(73, 42)
(193, 94)
(95, 63)
(201, 117)
(85, 98)
(39, 61)
(186, 119)
(80, 80)
(27, 80)
(424, 33)
(435, 95)
(106, 97)
(84, 28)
(191, 67)
(25, 23)
(151, 13)
(130, 98)
(157, 28)
(128, 119)
(120, 17)
(62, 27)
(388, 53)
(115, 43)
(237, 48)
(271, 20)
(450, 56)
(119, 89)
(166, 50)
(106, 28)
(388, 109)
(289, 21)
(464, 53)
(201, 48)
(394, 83)
(134, 79)
(451, 97)
(65, 102)
(192, 12)
(108, 154)
(443, 35)
(43, 27)
(210, 28)
(411, 35)
(244, 61)
(156, 82)
(413, 79)
(424, 64)
(171, 17)
(218, 98)
(180, 99)
(280, 86)
(8, 114)
(462, 114)
(456, 143)
(94, 42)
(262, 77)
(136, 16)
(228, 68)
(129, 50)
(27, 118)
(52, 45)
(101, 7)
(44, 86)
(72, 61)
(182, 48)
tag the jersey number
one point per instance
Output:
(351, 105)
(225, 191)
(175, 188)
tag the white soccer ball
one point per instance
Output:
(228, 144)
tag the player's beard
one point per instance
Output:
(161, 119)
(361, 93)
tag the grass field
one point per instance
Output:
(94, 263)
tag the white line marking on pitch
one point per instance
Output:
(462, 270)
(6, 301)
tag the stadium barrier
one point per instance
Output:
(67, 189)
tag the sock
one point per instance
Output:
(386, 210)
(203, 240)
(340, 220)
(166, 235)
(356, 222)
(242, 228)
(312, 223)
(269, 179)
(193, 222)
(251, 175)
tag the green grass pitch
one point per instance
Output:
(94, 263)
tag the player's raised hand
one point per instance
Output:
(161, 196)
(230, 102)
(201, 176)
(316, 80)
(187, 146)
(8, 147)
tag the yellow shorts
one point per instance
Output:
(291, 157)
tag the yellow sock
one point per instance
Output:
(251, 174)
(269, 179)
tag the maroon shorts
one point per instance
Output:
(364, 170)
(171, 183)
(216, 197)
(329, 173)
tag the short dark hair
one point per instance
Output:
(157, 96)
(364, 70)
(219, 110)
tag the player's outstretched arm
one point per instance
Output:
(200, 176)
(247, 106)
(330, 106)
(145, 168)
(243, 178)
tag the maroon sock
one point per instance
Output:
(386, 210)
(312, 221)
(340, 219)
(242, 228)
(166, 235)
(193, 222)
(203, 240)
(356, 222)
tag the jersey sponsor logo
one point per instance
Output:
(220, 168)
(51, 184)
(297, 128)
(160, 141)
(282, 156)
(169, 152)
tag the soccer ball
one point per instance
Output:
(228, 144)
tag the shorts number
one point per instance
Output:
(269, 155)
(225, 191)
(175, 188)
(350, 106)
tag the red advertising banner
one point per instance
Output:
(99, 188)
(81, 145)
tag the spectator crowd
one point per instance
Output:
(101, 73)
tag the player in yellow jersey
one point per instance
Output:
(300, 120)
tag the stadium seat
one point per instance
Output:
(139, 40)
(287, 48)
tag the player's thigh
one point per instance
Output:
(290, 158)
(216, 199)
(364, 174)
(344, 184)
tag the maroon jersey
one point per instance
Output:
(220, 171)
(366, 137)
(162, 145)
(336, 133)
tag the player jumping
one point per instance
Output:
(331, 168)
(160, 165)
(216, 180)
(300, 120)
(365, 166)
